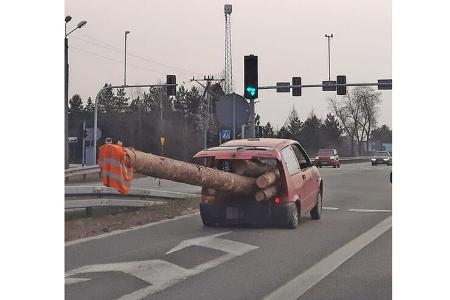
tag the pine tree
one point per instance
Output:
(89, 105)
(120, 101)
(75, 104)
(268, 130)
(332, 130)
(293, 124)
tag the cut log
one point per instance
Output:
(249, 168)
(266, 193)
(170, 169)
(268, 178)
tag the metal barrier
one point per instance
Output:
(95, 196)
(81, 171)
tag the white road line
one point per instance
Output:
(370, 210)
(330, 208)
(303, 282)
(108, 234)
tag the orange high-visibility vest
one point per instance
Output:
(114, 171)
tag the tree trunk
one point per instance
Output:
(268, 178)
(170, 169)
(267, 193)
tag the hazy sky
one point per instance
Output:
(186, 38)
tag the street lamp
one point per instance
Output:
(329, 63)
(125, 69)
(66, 87)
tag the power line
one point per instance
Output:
(115, 60)
(119, 50)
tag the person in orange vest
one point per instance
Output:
(114, 171)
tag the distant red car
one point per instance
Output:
(327, 157)
(300, 188)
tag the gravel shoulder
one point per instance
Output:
(79, 225)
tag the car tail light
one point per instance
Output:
(277, 199)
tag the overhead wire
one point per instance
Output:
(115, 60)
(108, 46)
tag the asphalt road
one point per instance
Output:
(345, 255)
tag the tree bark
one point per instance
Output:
(266, 193)
(268, 179)
(170, 169)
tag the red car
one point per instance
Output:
(327, 157)
(300, 187)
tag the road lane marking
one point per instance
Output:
(303, 282)
(370, 210)
(160, 274)
(120, 231)
(330, 208)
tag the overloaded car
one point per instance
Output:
(299, 187)
(381, 157)
(327, 157)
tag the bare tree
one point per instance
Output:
(357, 112)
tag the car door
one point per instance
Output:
(295, 180)
(309, 176)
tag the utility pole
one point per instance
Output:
(125, 66)
(228, 63)
(66, 87)
(205, 97)
(329, 56)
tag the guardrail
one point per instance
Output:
(349, 160)
(81, 171)
(97, 196)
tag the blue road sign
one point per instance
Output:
(225, 134)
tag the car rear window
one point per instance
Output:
(326, 152)
(382, 153)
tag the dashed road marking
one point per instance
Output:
(330, 208)
(370, 210)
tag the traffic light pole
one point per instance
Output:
(274, 87)
(117, 87)
(252, 118)
(83, 146)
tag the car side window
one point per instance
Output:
(302, 157)
(291, 160)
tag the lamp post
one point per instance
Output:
(66, 87)
(329, 63)
(125, 67)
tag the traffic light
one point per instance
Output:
(171, 90)
(298, 90)
(341, 89)
(250, 77)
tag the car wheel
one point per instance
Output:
(334, 166)
(316, 212)
(293, 216)
(207, 221)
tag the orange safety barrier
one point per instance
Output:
(113, 169)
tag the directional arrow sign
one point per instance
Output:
(160, 274)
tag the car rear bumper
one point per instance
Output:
(255, 214)
(328, 162)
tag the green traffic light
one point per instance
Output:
(251, 90)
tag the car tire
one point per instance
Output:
(316, 212)
(293, 217)
(208, 222)
(334, 166)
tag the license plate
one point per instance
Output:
(233, 213)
